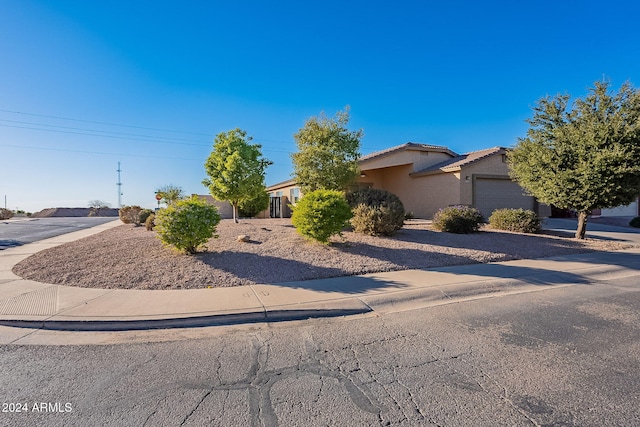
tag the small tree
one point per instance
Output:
(328, 153)
(187, 224)
(170, 193)
(236, 169)
(96, 205)
(582, 156)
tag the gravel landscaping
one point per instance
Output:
(129, 257)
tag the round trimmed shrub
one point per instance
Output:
(321, 214)
(518, 220)
(457, 219)
(635, 222)
(187, 224)
(376, 212)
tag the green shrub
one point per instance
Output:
(376, 212)
(408, 216)
(635, 222)
(321, 214)
(5, 213)
(457, 219)
(149, 223)
(187, 224)
(519, 220)
(252, 207)
(144, 214)
(130, 214)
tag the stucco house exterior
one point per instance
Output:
(430, 177)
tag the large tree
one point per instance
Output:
(236, 169)
(583, 155)
(328, 153)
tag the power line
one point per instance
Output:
(146, 156)
(102, 123)
(114, 124)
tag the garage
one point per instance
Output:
(490, 194)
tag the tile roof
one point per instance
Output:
(405, 146)
(457, 162)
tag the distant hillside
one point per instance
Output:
(74, 212)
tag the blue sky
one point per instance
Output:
(86, 84)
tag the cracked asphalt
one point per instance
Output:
(563, 357)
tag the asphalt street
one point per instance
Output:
(569, 356)
(18, 232)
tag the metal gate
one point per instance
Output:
(275, 207)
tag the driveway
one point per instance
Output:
(595, 230)
(18, 232)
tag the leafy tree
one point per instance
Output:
(582, 156)
(328, 153)
(96, 205)
(170, 193)
(236, 169)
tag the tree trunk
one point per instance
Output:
(235, 210)
(582, 224)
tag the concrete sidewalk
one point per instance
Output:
(29, 304)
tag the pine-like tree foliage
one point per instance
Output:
(328, 153)
(583, 155)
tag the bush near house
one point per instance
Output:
(457, 219)
(635, 222)
(376, 212)
(518, 220)
(321, 214)
(187, 224)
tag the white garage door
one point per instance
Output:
(629, 210)
(491, 194)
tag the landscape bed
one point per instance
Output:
(129, 257)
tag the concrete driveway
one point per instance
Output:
(16, 232)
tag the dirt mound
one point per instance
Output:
(74, 212)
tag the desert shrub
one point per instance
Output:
(130, 214)
(5, 213)
(457, 219)
(187, 224)
(519, 220)
(149, 223)
(376, 211)
(321, 214)
(144, 214)
(635, 222)
(408, 216)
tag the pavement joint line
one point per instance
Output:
(264, 307)
(86, 301)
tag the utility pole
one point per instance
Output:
(119, 184)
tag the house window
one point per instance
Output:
(279, 193)
(294, 195)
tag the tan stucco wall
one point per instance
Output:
(419, 159)
(224, 208)
(422, 196)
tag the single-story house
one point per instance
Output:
(428, 177)
(632, 209)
